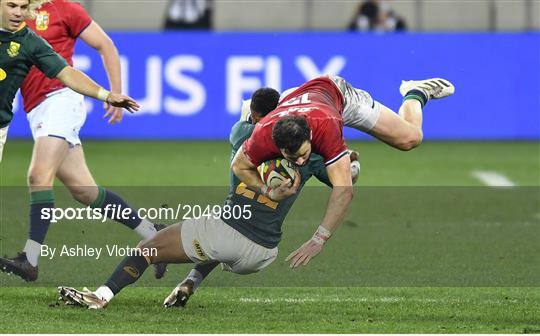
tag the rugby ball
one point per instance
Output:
(355, 171)
(274, 172)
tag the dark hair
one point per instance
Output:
(290, 133)
(369, 9)
(263, 101)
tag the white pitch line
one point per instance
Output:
(492, 179)
(383, 299)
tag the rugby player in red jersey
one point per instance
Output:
(311, 119)
(56, 114)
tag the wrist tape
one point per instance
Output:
(103, 94)
(321, 235)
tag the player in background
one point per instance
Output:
(56, 114)
(20, 49)
(241, 245)
(311, 119)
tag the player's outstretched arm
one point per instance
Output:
(339, 174)
(95, 37)
(81, 83)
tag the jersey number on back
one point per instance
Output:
(298, 100)
(303, 99)
(242, 190)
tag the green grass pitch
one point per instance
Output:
(426, 247)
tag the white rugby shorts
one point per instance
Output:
(360, 110)
(210, 239)
(61, 115)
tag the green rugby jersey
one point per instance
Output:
(267, 216)
(19, 51)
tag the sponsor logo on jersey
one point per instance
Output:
(13, 49)
(42, 20)
(199, 251)
(3, 74)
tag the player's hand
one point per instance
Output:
(354, 155)
(285, 189)
(115, 114)
(304, 254)
(119, 100)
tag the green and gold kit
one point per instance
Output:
(267, 216)
(19, 51)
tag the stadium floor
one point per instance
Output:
(456, 257)
(283, 310)
(154, 163)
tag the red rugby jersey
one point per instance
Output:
(60, 23)
(321, 102)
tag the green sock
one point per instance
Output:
(417, 95)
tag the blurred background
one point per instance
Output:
(335, 15)
(192, 62)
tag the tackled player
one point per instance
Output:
(241, 245)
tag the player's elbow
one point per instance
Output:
(238, 165)
(235, 167)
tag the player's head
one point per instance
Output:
(292, 136)
(263, 101)
(14, 12)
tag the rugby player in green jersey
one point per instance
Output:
(56, 115)
(20, 49)
(243, 245)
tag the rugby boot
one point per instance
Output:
(84, 298)
(433, 88)
(19, 266)
(180, 295)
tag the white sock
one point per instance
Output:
(32, 250)
(146, 229)
(196, 277)
(105, 293)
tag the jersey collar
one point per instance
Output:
(6, 34)
(21, 27)
(13, 32)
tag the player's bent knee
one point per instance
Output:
(149, 245)
(39, 178)
(411, 141)
(407, 146)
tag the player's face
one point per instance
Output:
(13, 13)
(301, 157)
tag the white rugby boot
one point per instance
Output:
(180, 295)
(84, 298)
(433, 88)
